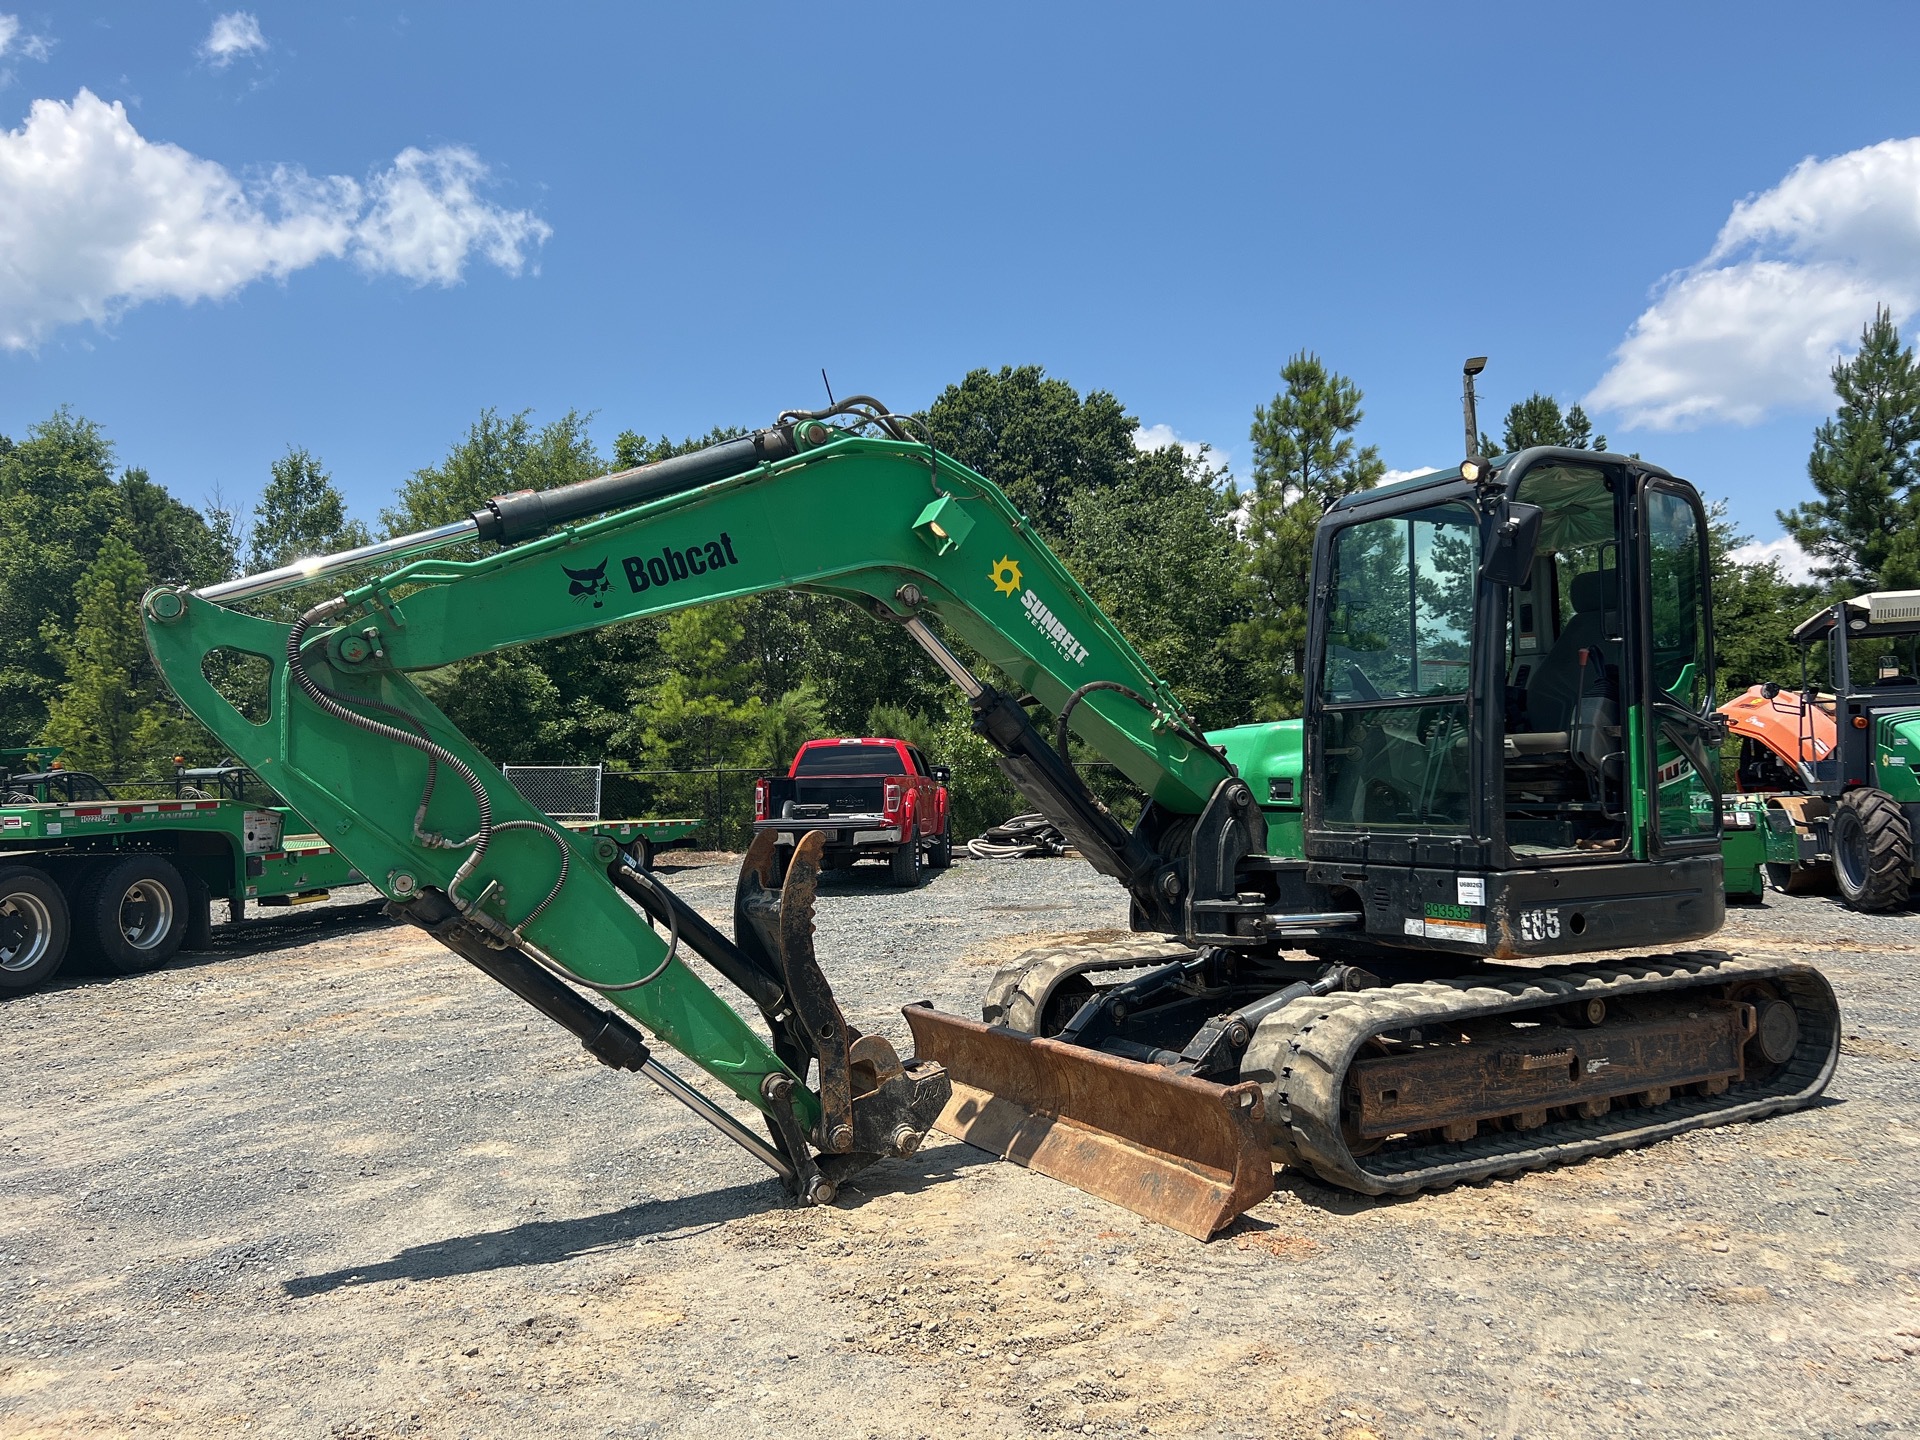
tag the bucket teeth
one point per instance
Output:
(1187, 1153)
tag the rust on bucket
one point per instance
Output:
(1185, 1152)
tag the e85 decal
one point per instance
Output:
(1539, 924)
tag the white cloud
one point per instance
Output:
(95, 219)
(1159, 437)
(1792, 277)
(232, 36)
(1796, 566)
(14, 41)
(425, 218)
(1394, 477)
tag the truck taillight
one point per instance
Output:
(893, 798)
(760, 799)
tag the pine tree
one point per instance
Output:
(1304, 459)
(703, 712)
(300, 514)
(1537, 420)
(1865, 467)
(112, 715)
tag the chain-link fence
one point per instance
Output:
(562, 792)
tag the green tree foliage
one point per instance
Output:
(300, 514)
(703, 712)
(1159, 553)
(179, 545)
(631, 449)
(1755, 609)
(113, 715)
(1304, 459)
(558, 702)
(497, 455)
(57, 503)
(1537, 420)
(1861, 526)
(1036, 438)
(59, 499)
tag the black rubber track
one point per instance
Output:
(1300, 1057)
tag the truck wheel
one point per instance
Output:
(906, 864)
(34, 927)
(1872, 850)
(940, 857)
(134, 913)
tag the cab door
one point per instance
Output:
(1676, 732)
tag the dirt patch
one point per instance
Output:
(1868, 1046)
(330, 1182)
(1004, 950)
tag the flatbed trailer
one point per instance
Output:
(641, 839)
(131, 882)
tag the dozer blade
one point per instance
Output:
(1189, 1154)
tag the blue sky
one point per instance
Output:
(350, 230)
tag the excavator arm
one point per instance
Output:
(341, 731)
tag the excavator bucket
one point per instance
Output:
(1187, 1153)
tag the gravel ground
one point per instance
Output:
(326, 1181)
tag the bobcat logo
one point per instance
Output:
(588, 584)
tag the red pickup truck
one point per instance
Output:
(873, 798)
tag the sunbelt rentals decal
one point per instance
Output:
(1006, 579)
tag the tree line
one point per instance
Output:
(1209, 583)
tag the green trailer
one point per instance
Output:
(641, 839)
(131, 882)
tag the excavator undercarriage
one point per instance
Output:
(1397, 1088)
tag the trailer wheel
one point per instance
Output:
(34, 927)
(135, 913)
(905, 864)
(199, 932)
(642, 852)
(1872, 850)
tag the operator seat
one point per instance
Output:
(1555, 684)
(1570, 754)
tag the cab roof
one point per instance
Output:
(1501, 465)
(1879, 612)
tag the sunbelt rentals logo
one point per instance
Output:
(1006, 579)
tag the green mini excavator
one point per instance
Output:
(1359, 932)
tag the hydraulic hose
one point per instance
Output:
(1179, 724)
(439, 754)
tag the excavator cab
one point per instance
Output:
(1510, 723)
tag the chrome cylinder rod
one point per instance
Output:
(719, 1119)
(943, 657)
(302, 572)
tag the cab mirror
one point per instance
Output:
(1770, 689)
(1516, 531)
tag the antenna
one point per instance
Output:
(829, 384)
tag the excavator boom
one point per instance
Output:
(336, 725)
